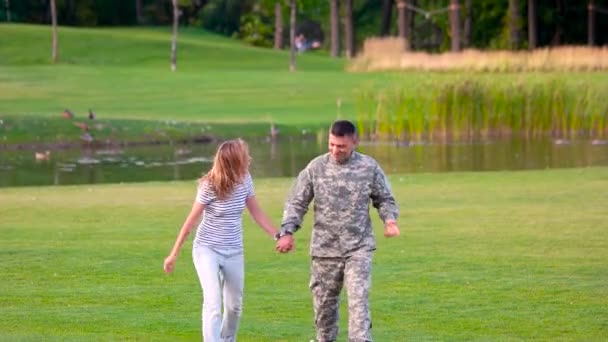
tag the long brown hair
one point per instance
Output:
(230, 166)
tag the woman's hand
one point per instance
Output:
(169, 263)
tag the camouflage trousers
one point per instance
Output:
(328, 277)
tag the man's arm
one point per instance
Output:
(296, 206)
(297, 203)
(383, 200)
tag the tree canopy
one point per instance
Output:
(559, 22)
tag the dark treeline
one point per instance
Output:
(485, 24)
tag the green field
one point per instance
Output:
(483, 256)
(123, 74)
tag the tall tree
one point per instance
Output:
(387, 14)
(559, 30)
(349, 29)
(591, 23)
(455, 24)
(334, 18)
(402, 22)
(514, 24)
(54, 28)
(409, 24)
(292, 35)
(139, 11)
(174, 38)
(468, 18)
(531, 24)
(278, 25)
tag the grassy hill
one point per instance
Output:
(124, 73)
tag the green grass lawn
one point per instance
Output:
(483, 256)
(123, 73)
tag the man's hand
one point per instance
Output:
(391, 229)
(285, 243)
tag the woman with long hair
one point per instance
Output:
(223, 193)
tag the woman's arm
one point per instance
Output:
(260, 217)
(195, 213)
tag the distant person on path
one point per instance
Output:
(223, 193)
(342, 183)
(302, 44)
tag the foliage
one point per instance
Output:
(366, 19)
(561, 22)
(257, 29)
(224, 16)
(489, 29)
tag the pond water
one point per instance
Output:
(286, 158)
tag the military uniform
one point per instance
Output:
(342, 242)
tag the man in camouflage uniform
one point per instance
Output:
(342, 182)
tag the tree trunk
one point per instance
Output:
(292, 36)
(139, 11)
(402, 23)
(278, 26)
(174, 39)
(591, 23)
(401, 20)
(8, 11)
(514, 23)
(531, 24)
(334, 17)
(409, 24)
(468, 15)
(349, 34)
(387, 13)
(54, 28)
(455, 24)
(557, 35)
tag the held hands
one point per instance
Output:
(285, 243)
(391, 229)
(169, 263)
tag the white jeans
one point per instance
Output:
(221, 273)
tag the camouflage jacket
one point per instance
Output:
(342, 193)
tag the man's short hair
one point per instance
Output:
(343, 128)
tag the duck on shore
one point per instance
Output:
(67, 114)
(42, 156)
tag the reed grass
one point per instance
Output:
(474, 109)
(381, 54)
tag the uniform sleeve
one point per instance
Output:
(297, 204)
(204, 194)
(249, 186)
(382, 197)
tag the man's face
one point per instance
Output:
(341, 147)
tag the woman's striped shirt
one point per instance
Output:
(222, 223)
